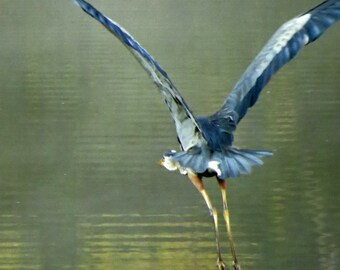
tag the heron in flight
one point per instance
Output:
(207, 141)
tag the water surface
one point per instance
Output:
(82, 129)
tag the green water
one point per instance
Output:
(82, 129)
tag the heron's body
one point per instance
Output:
(207, 142)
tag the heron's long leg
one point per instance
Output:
(223, 186)
(197, 181)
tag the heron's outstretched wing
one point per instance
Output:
(188, 131)
(287, 41)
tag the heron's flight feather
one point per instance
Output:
(287, 41)
(207, 141)
(188, 131)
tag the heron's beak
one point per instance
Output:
(161, 162)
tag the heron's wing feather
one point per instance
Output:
(287, 41)
(187, 128)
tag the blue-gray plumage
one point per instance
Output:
(207, 142)
(206, 139)
(288, 40)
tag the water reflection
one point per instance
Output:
(83, 129)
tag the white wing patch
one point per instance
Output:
(213, 165)
(288, 30)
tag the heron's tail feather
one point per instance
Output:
(235, 161)
(227, 164)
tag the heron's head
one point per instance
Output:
(167, 161)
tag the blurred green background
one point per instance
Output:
(82, 129)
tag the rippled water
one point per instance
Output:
(82, 129)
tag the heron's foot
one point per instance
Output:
(236, 266)
(220, 265)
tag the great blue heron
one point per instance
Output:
(206, 142)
